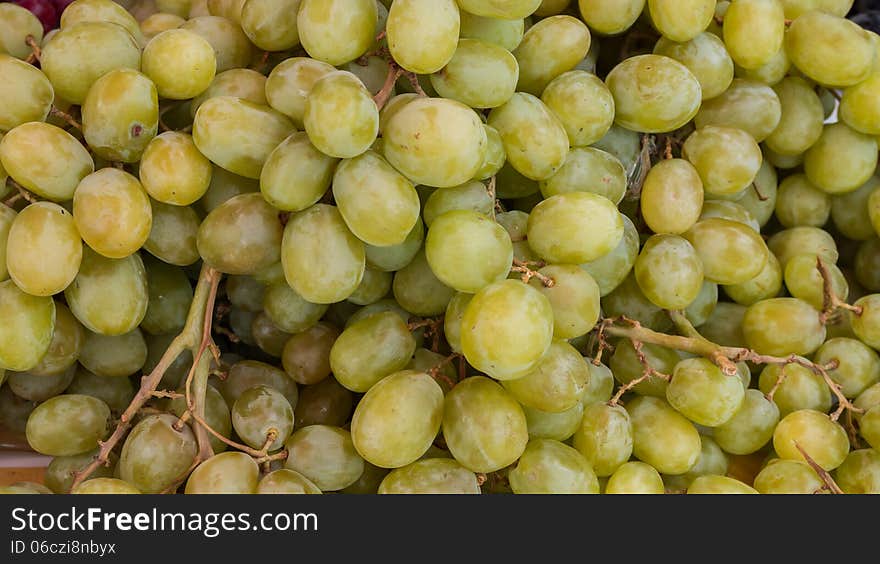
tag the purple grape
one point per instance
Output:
(60, 5)
(44, 10)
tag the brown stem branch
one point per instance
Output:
(384, 94)
(831, 302)
(57, 112)
(823, 474)
(760, 195)
(522, 267)
(414, 82)
(36, 52)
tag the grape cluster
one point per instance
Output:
(441, 246)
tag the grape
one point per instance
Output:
(711, 461)
(534, 139)
(582, 103)
(225, 473)
(794, 8)
(841, 160)
(821, 438)
(340, 117)
(705, 56)
(173, 171)
(860, 472)
(241, 236)
(268, 25)
(374, 286)
(702, 393)
(296, 174)
(751, 106)
(418, 290)
(731, 252)
(45, 159)
(114, 356)
(419, 142)
(781, 476)
(157, 23)
(574, 298)
(268, 336)
(241, 83)
(397, 420)
(605, 437)
(733, 211)
(247, 374)
(290, 311)
(703, 305)
(216, 415)
(587, 169)
(669, 272)
(751, 427)
(635, 478)
(371, 349)
(176, 77)
(229, 9)
(238, 135)
(483, 425)
(681, 21)
(395, 257)
(471, 196)
(289, 84)
(866, 264)
(557, 426)
(325, 455)
(719, 485)
(324, 403)
(556, 383)
(495, 156)
(869, 426)
(770, 73)
(27, 91)
(851, 212)
(549, 48)
(40, 388)
(26, 333)
(858, 106)
(61, 470)
(662, 437)
(43, 249)
(830, 50)
(802, 117)
(480, 75)
(16, 24)
(610, 270)
(766, 284)
(286, 481)
(788, 243)
(430, 476)
(100, 11)
(508, 10)
(366, 186)
(67, 342)
(173, 234)
(610, 17)
(117, 393)
(803, 280)
(760, 201)
(557, 233)
(799, 203)
(321, 23)
(68, 424)
(628, 299)
(245, 292)
(418, 48)
(258, 411)
(105, 486)
(653, 93)
(783, 326)
(801, 388)
(80, 54)
(753, 31)
(727, 159)
(858, 365)
(865, 326)
(548, 467)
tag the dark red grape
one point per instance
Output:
(60, 5)
(44, 10)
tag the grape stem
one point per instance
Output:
(166, 394)
(433, 328)
(384, 94)
(20, 194)
(55, 111)
(434, 371)
(36, 52)
(643, 165)
(831, 302)
(761, 196)
(490, 188)
(523, 267)
(829, 482)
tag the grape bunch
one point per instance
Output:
(441, 246)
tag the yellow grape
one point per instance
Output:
(420, 48)
(731, 252)
(706, 57)
(296, 174)
(610, 17)
(669, 271)
(173, 171)
(802, 117)
(662, 437)
(551, 467)
(101, 11)
(270, 25)
(605, 437)
(681, 20)
(558, 233)
(583, 104)
(241, 236)
(26, 332)
(479, 74)
(859, 108)
(341, 118)
(672, 196)
(508, 10)
(783, 326)
(241, 83)
(27, 93)
(754, 31)
(829, 49)
(534, 139)
(841, 160)
(822, 439)
(321, 24)
(290, 82)
(549, 48)
(16, 23)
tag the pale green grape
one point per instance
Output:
(751, 427)
(105, 486)
(783, 326)
(117, 393)
(751, 106)
(801, 388)
(729, 210)
(418, 290)
(241, 83)
(556, 383)
(27, 92)
(858, 105)
(290, 82)
(224, 186)
(228, 9)
(628, 299)
(173, 171)
(68, 424)
(224, 473)
(582, 103)
(724, 325)
(860, 472)
(155, 24)
(672, 196)
(705, 56)
(296, 174)
(369, 350)
(245, 292)
(766, 284)
(484, 427)
(770, 73)
(173, 234)
(507, 33)
(703, 305)
(702, 393)
(320, 24)
(286, 481)
(101, 11)
(760, 200)
(587, 169)
(605, 437)
(61, 470)
(794, 8)
(480, 74)
(508, 10)
(115, 356)
(851, 212)
(574, 298)
(109, 296)
(781, 476)
(549, 48)
(16, 24)
(831, 50)
(374, 286)
(340, 116)
(712, 461)
(788, 243)
(841, 160)
(669, 272)
(241, 236)
(626, 367)
(238, 135)
(610, 17)
(40, 388)
(247, 374)
(471, 196)
(325, 455)
(866, 325)
(397, 420)
(550, 467)
(556, 426)
(731, 252)
(534, 139)
(799, 202)
(753, 31)
(67, 341)
(324, 403)
(430, 476)
(372, 74)
(268, 336)
(45, 160)
(662, 437)
(715, 485)
(177, 77)
(395, 257)
(681, 21)
(821, 438)
(869, 426)
(452, 319)
(858, 366)
(259, 411)
(653, 93)
(418, 48)
(43, 249)
(802, 117)
(495, 156)
(557, 232)
(635, 478)
(270, 25)
(727, 159)
(803, 280)
(290, 311)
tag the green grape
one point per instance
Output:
(551, 7)
(16, 24)
(587, 169)
(783, 326)
(372, 73)
(109, 296)
(240, 322)
(703, 305)
(623, 144)
(626, 367)
(43, 249)
(68, 424)
(858, 366)
(81, 53)
(324, 403)
(114, 356)
(733, 211)
(794, 8)
(605, 437)
(170, 297)
(681, 21)
(511, 184)
(177, 77)
(173, 171)
(430, 476)
(582, 103)
(610, 17)
(290, 82)
(550, 467)
(15, 411)
(105, 486)
(869, 426)
(628, 299)
(480, 74)
(705, 56)
(39, 388)
(467, 250)
(27, 91)
(715, 485)
(62, 469)
(495, 156)
(155, 24)
(238, 135)
(45, 160)
(760, 200)
(600, 385)
(268, 336)
(851, 212)
(795, 241)
(751, 427)
(472, 196)
(534, 139)
(724, 325)
(290, 311)
(557, 426)
(783, 161)
(822, 439)
(224, 186)
(727, 159)
(867, 400)
(549, 48)
(260, 411)
(397, 420)
(800, 388)
(7, 218)
(611, 269)
(366, 186)
(216, 414)
(269, 25)
(179, 367)
(866, 264)
(340, 116)
(452, 319)
(574, 298)
(247, 374)
(112, 212)
(635, 478)
(325, 455)
(653, 93)
(711, 461)
(787, 477)
(64, 350)
(802, 117)
(225, 473)
(173, 234)
(556, 383)
(799, 202)
(241, 83)
(831, 50)
(803, 280)
(731, 252)
(766, 284)
(506, 328)
(418, 290)
(245, 292)
(507, 33)
(484, 427)
(662, 437)
(374, 286)
(229, 9)
(770, 73)
(323, 261)
(753, 31)
(370, 349)
(117, 393)
(101, 11)
(320, 24)
(396, 257)
(669, 272)
(860, 472)
(296, 174)
(747, 105)
(241, 236)
(286, 481)
(28, 324)
(702, 393)
(841, 160)
(417, 48)
(866, 325)
(508, 10)
(557, 232)
(858, 105)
